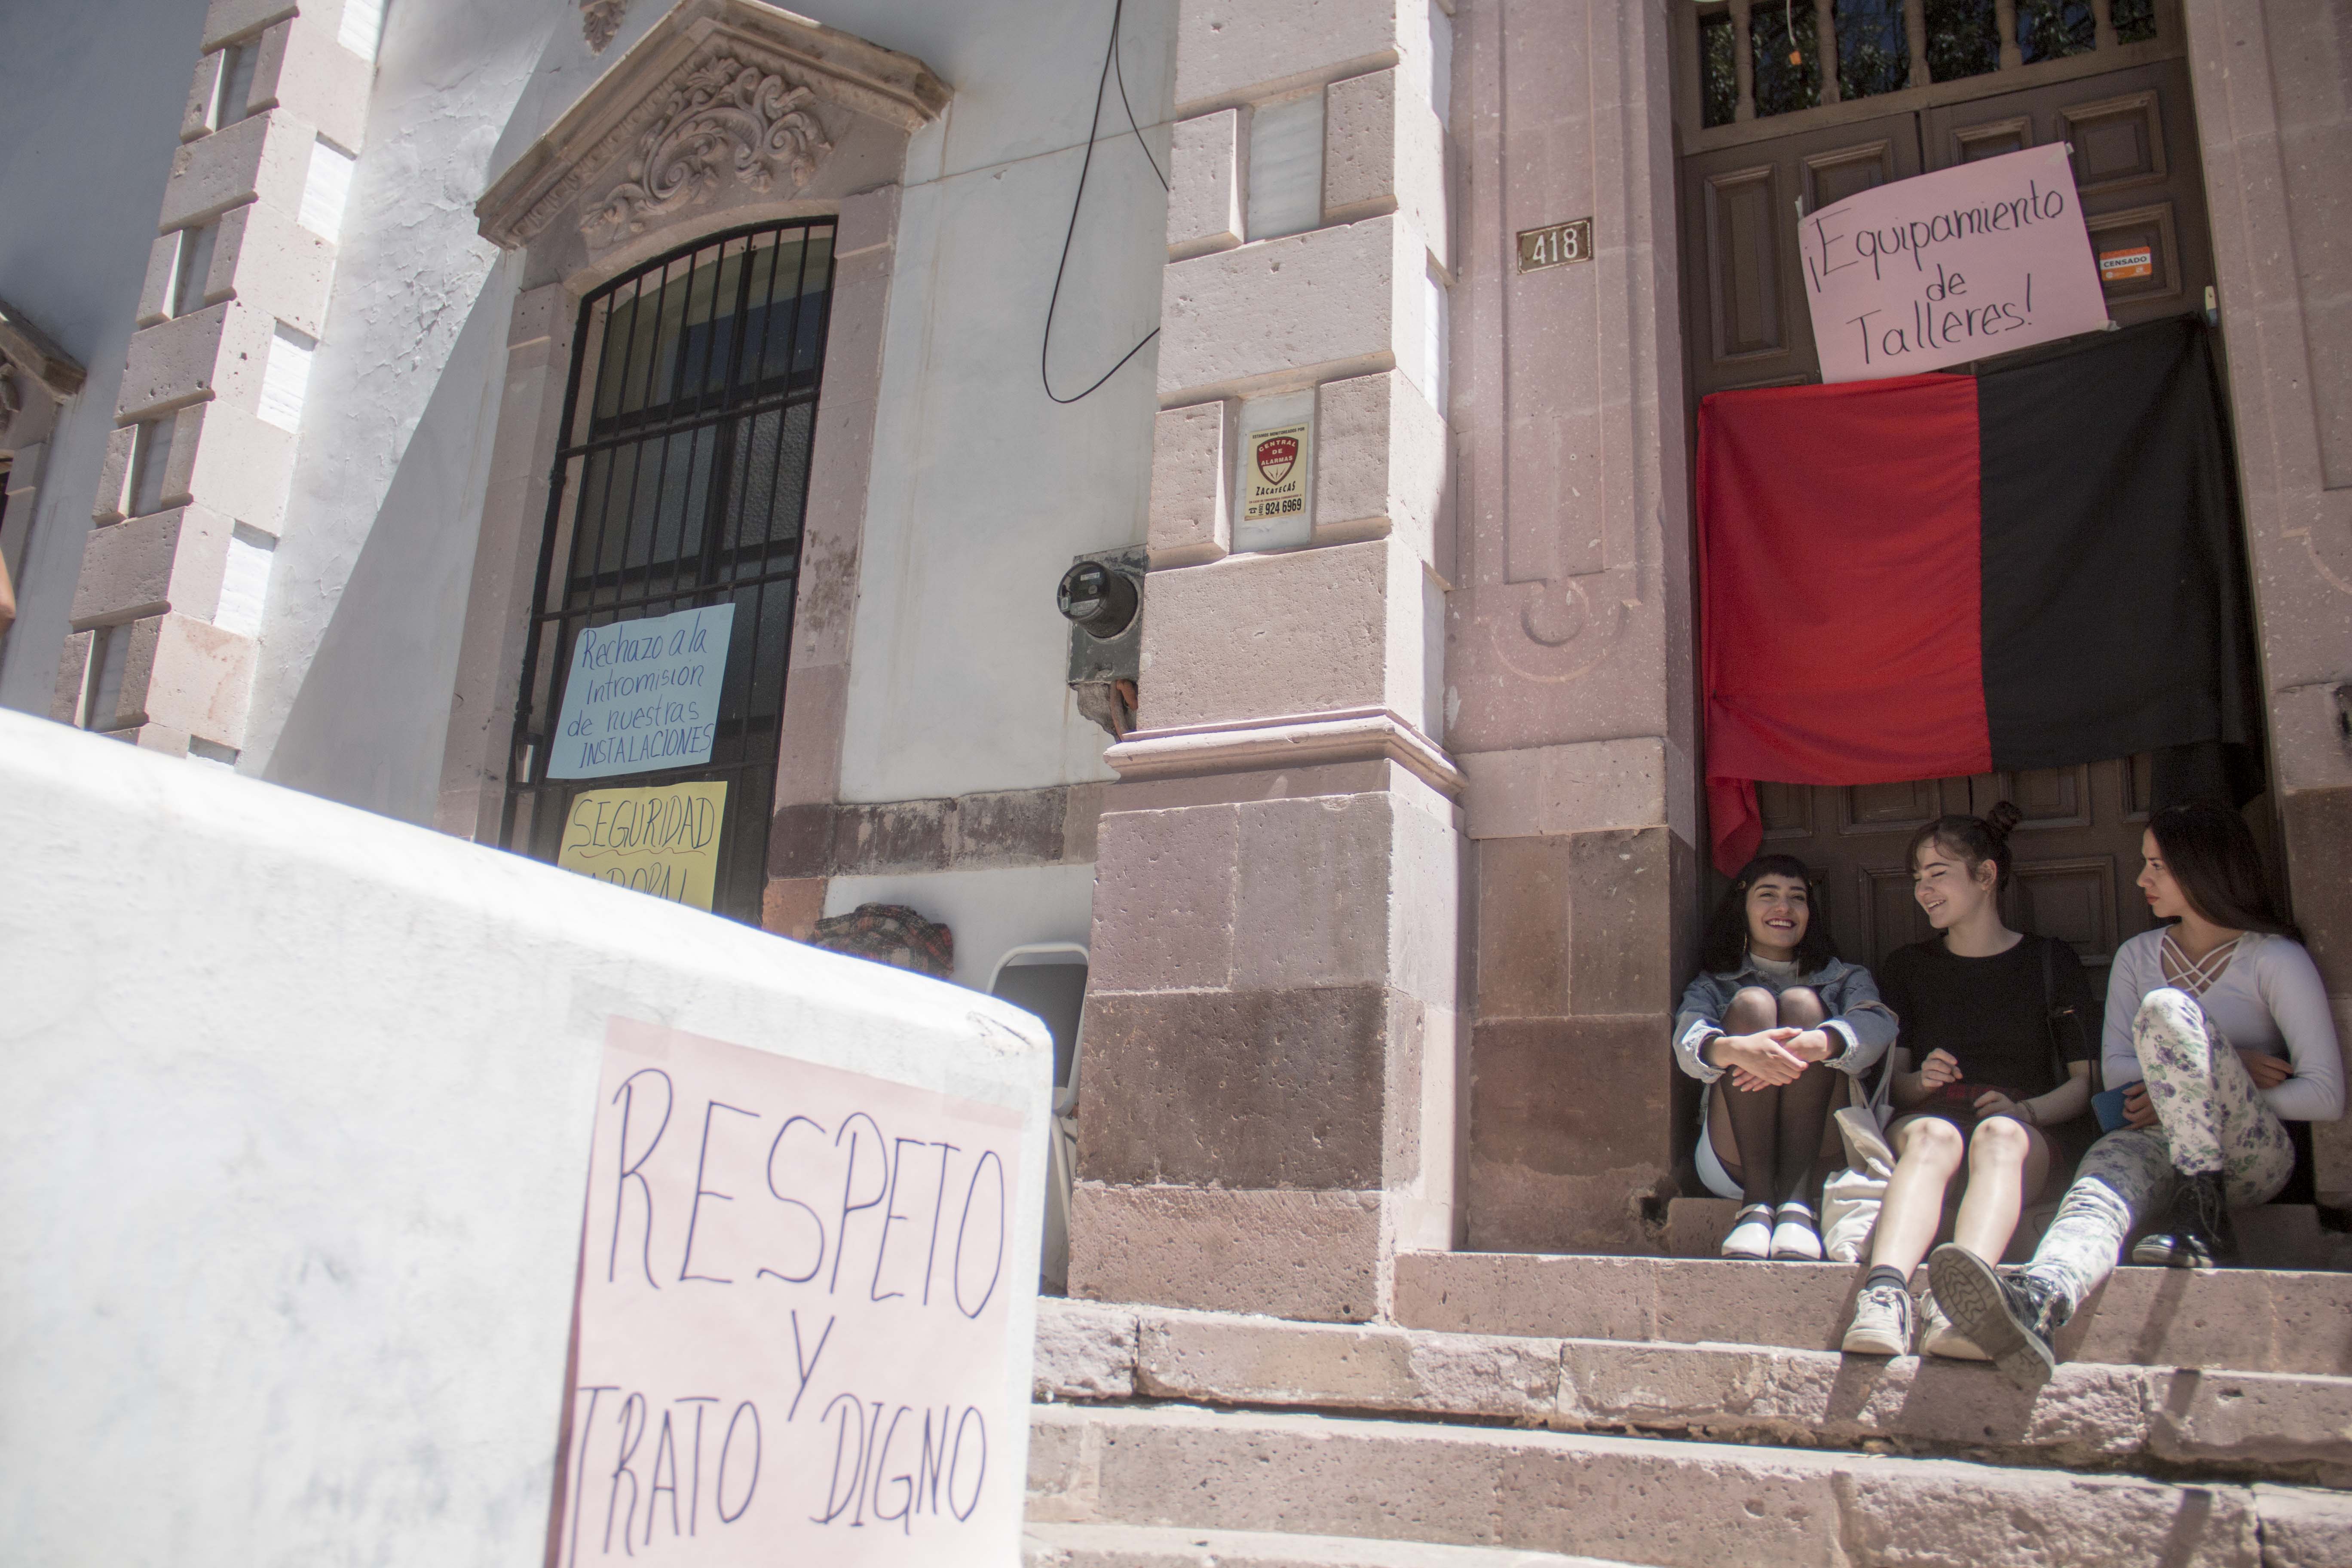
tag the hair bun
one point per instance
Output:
(2003, 818)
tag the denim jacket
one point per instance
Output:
(1847, 992)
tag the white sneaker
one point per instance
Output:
(1938, 1337)
(1752, 1234)
(1794, 1239)
(1882, 1322)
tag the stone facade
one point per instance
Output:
(1543, 449)
(1387, 895)
(2270, 117)
(1395, 882)
(211, 401)
(1274, 1030)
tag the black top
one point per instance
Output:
(1989, 1013)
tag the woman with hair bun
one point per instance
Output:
(2218, 1030)
(1978, 1088)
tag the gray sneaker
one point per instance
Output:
(1882, 1322)
(1938, 1337)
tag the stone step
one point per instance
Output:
(2271, 1235)
(1637, 1500)
(1147, 1546)
(2246, 1320)
(2292, 1427)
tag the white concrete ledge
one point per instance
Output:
(299, 1105)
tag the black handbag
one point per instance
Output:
(2064, 1023)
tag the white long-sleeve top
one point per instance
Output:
(2270, 999)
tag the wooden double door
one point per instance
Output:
(2134, 139)
(2076, 853)
(2132, 132)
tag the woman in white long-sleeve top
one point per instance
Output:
(2219, 1031)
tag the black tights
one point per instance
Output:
(1779, 1128)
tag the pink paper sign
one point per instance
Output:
(794, 1289)
(1947, 268)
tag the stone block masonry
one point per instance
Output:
(2126, 1407)
(1568, 678)
(1621, 1499)
(1273, 1045)
(211, 402)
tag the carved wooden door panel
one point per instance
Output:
(2136, 167)
(2078, 852)
(2134, 135)
(1745, 302)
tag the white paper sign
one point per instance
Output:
(642, 695)
(1947, 268)
(792, 1329)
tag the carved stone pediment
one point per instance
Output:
(719, 90)
(599, 20)
(28, 348)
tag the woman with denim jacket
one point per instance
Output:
(1770, 1024)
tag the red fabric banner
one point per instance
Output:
(1840, 562)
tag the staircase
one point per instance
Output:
(1526, 1410)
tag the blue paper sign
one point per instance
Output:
(642, 695)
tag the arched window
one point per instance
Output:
(680, 487)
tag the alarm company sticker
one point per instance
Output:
(1277, 477)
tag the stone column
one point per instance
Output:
(36, 379)
(193, 495)
(2277, 139)
(1267, 1104)
(1570, 659)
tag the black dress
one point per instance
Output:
(1993, 1016)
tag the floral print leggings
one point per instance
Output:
(2209, 1119)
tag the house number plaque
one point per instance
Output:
(1556, 245)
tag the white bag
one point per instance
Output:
(1849, 1198)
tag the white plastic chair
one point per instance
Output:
(1062, 1142)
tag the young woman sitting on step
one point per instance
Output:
(1980, 1004)
(2218, 1029)
(1776, 1025)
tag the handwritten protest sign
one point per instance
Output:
(793, 1336)
(642, 694)
(662, 840)
(1950, 267)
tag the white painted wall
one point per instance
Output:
(990, 912)
(90, 98)
(367, 594)
(983, 489)
(297, 1125)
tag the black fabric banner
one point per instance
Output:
(2115, 601)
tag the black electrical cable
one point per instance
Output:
(1119, 70)
(1102, 87)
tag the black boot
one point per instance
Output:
(2197, 1234)
(2013, 1317)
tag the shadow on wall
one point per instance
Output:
(368, 725)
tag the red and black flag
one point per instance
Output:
(1942, 576)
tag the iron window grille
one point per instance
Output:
(682, 482)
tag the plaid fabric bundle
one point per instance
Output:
(890, 934)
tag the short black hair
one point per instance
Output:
(1725, 947)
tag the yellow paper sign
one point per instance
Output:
(663, 841)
